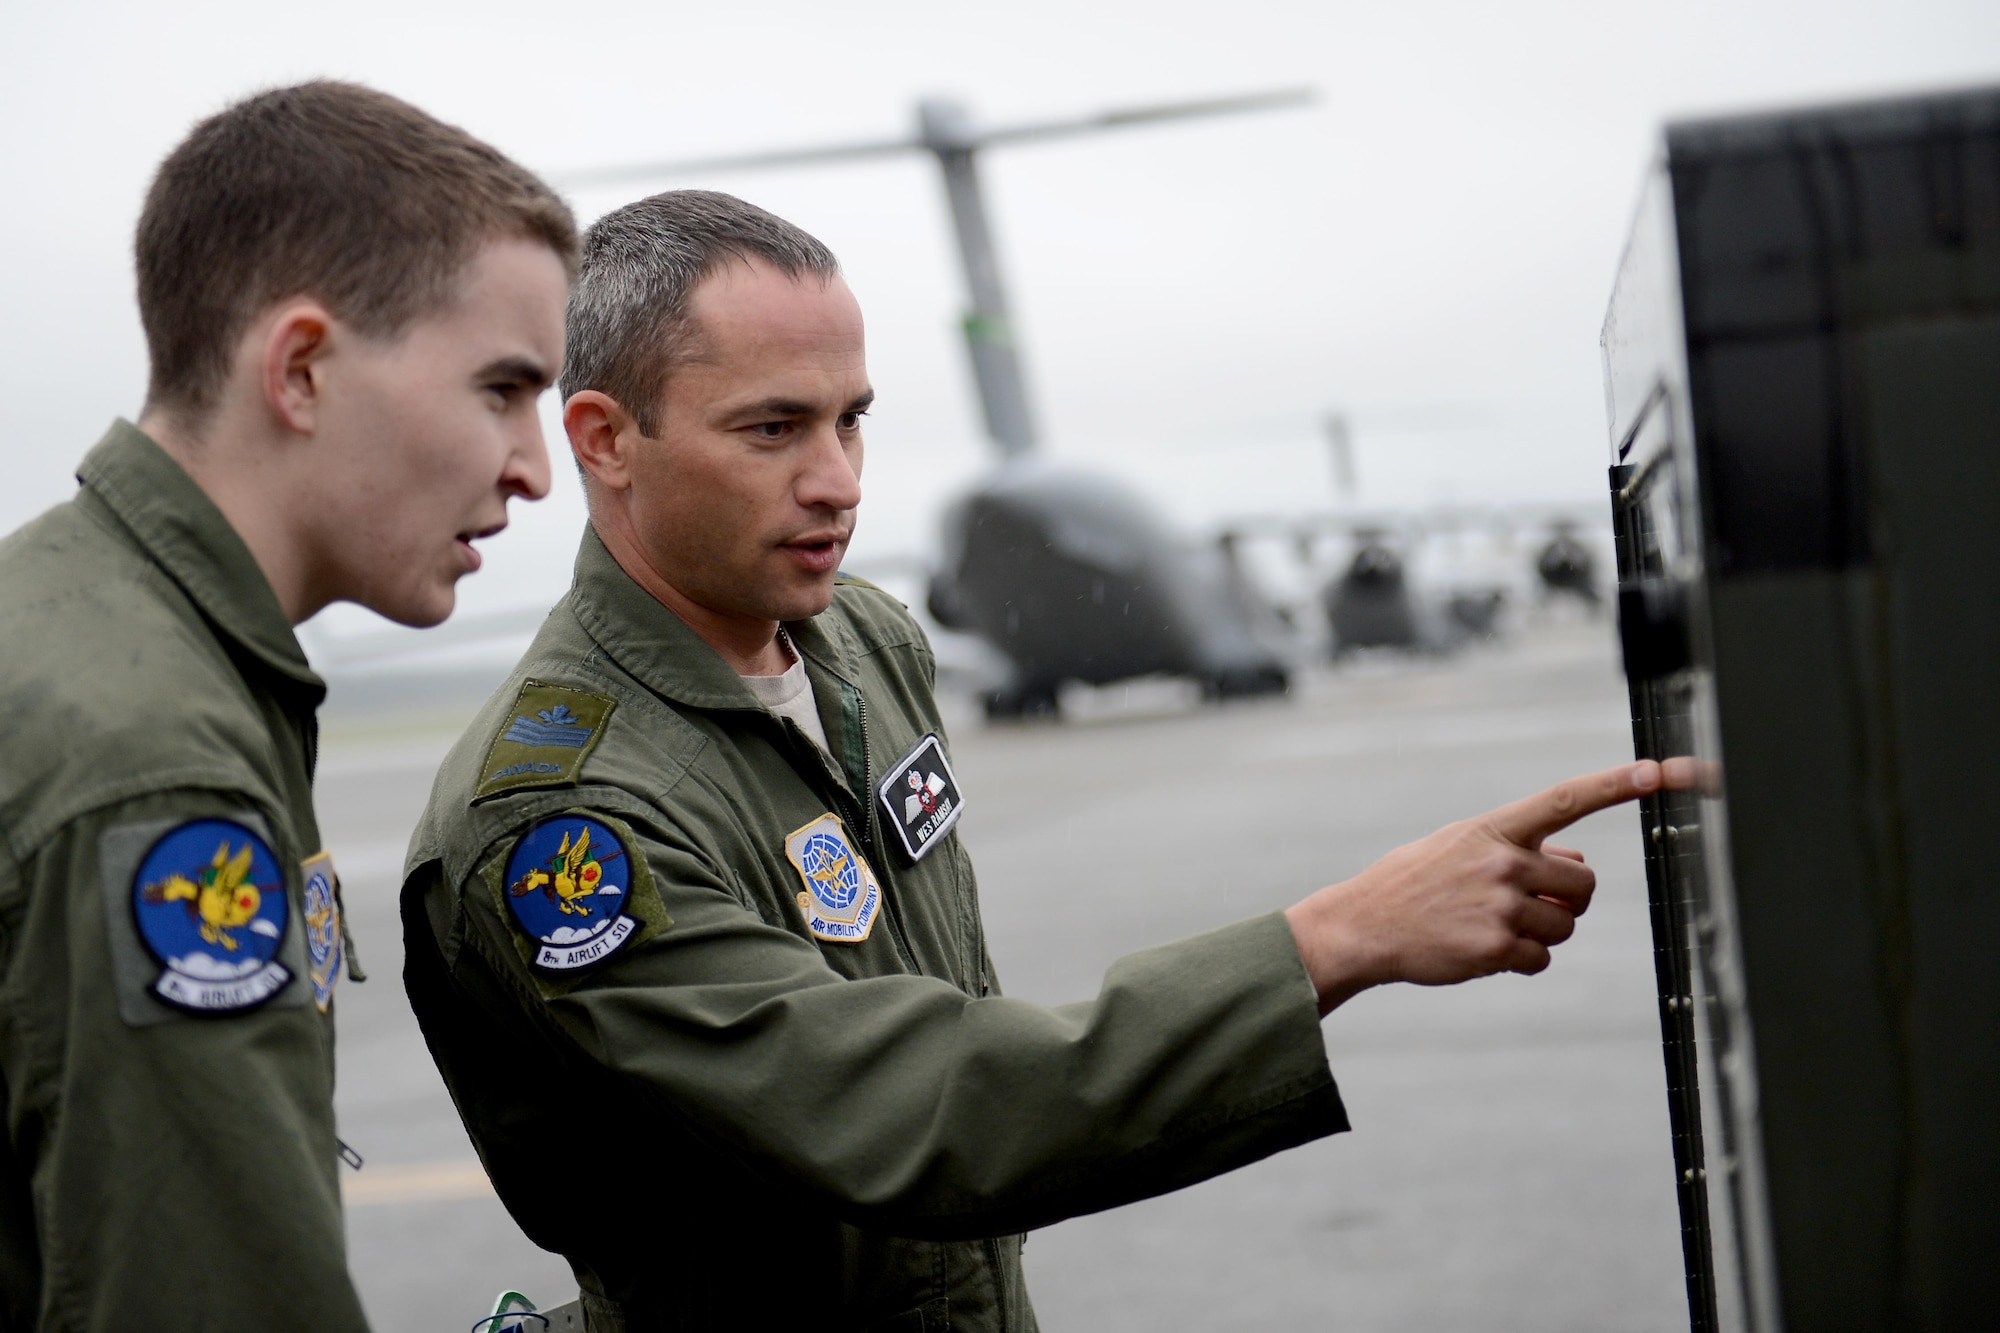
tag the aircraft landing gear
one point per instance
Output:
(1013, 705)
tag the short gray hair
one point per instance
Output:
(628, 312)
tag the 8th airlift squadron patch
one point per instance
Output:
(568, 885)
(841, 895)
(209, 902)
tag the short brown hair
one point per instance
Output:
(329, 190)
(628, 312)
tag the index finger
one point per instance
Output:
(1527, 821)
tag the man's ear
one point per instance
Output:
(297, 337)
(601, 434)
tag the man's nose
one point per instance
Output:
(527, 471)
(830, 480)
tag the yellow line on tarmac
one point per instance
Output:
(419, 1182)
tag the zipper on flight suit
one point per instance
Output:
(858, 818)
(868, 830)
(871, 835)
(843, 799)
(855, 818)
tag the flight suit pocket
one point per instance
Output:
(930, 1317)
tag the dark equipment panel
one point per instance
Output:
(1802, 363)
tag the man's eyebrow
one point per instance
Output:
(518, 370)
(773, 407)
(764, 409)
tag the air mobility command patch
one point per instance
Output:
(841, 896)
(548, 734)
(921, 798)
(209, 902)
(324, 950)
(568, 885)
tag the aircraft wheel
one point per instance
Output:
(1246, 682)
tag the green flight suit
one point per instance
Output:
(729, 1123)
(161, 1169)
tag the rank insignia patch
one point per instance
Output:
(568, 883)
(324, 950)
(841, 896)
(209, 901)
(550, 731)
(921, 799)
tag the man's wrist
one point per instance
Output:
(1341, 960)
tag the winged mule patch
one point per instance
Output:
(568, 885)
(209, 902)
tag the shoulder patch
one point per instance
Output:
(325, 949)
(568, 885)
(841, 896)
(209, 902)
(548, 734)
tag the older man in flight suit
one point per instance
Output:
(688, 927)
(350, 309)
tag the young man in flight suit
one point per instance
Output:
(688, 927)
(350, 309)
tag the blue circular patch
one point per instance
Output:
(568, 879)
(832, 870)
(322, 926)
(209, 901)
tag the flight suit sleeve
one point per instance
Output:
(181, 1164)
(905, 1104)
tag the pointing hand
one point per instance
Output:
(1480, 896)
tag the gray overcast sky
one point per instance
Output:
(1429, 248)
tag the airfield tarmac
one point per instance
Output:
(1509, 1166)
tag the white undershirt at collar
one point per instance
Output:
(791, 695)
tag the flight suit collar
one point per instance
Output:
(647, 639)
(180, 529)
